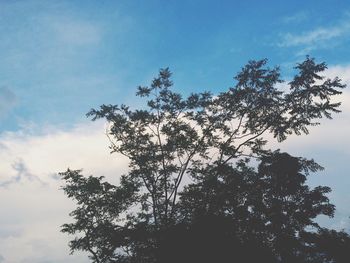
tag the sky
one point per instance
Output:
(58, 59)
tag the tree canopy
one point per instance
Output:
(202, 185)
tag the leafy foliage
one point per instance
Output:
(272, 205)
(190, 182)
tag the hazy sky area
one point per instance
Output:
(58, 59)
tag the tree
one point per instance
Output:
(206, 140)
(330, 245)
(272, 206)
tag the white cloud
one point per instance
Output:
(329, 144)
(340, 125)
(85, 146)
(32, 206)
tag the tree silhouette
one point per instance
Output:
(191, 193)
(272, 206)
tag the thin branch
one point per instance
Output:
(229, 140)
(243, 143)
(114, 146)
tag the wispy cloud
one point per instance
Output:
(76, 32)
(295, 18)
(22, 175)
(321, 37)
(312, 37)
(8, 100)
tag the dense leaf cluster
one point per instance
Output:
(192, 193)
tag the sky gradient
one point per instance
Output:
(61, 58)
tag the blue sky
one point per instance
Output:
(60, 58)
